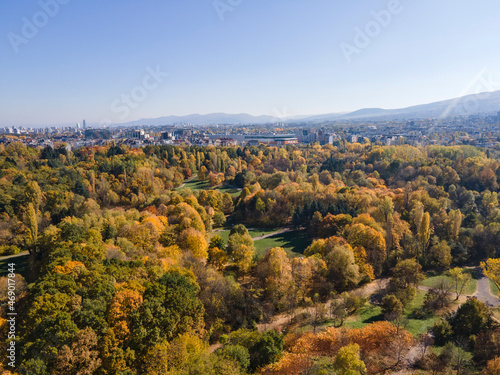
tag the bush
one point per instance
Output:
(352, 302)
(442, 332)
(436, 299)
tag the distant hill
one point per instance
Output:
(487, 103)
(209, 119)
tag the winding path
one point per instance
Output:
(186, 181)
(284, 230)
(15, 255)
(483, 292)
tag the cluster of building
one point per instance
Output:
(477, 130)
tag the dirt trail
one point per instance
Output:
(15, 255)
(185, 182)
(284, 230)
(280, 320)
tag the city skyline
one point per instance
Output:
(123, 61)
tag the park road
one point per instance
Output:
(483, 293)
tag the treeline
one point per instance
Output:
(127, 277)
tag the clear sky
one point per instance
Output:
(253, 56)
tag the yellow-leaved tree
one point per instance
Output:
(491, 269)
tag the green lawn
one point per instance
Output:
(434, 279)
(21, 265)
(493, 288)
(197, 185)
(222, 233)
(262, 232)
(369, 313)
(253, 232)
(294, 243)
(419, 325)
(234, 192)
(372, 313)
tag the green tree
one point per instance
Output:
(391, 307)
(470, 319)
(170, 308)
(237, 353)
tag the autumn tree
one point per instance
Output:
(493, 367)
(460, 279)
(240, 248)
(122, 304)
(424, 232)
(217, 258)
(348, 362)
(373, 242)
(32, 227)
(278, 275)
(194, 241)
(202, 173)
(440, 254)
(81, 357)
(386, 208)
(406, 277)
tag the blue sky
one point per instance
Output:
(261, 57)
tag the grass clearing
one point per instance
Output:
(232, 191)
(419, 325)
(493, 288)
(224, 234)
(433, 279)
(416, 325)
(369, 313)
(196, 185)
(253, 232)
(294, 243)
(22, 265)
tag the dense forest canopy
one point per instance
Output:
(145, 261)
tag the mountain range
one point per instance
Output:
(486, 103)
